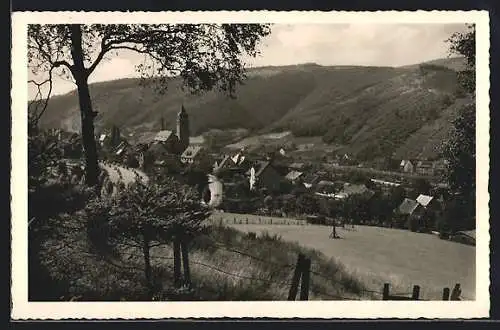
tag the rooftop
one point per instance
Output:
(191, 151)
(424, 200)
(408, 206)
(293, 175)
(163, 136)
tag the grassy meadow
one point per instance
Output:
(375, 255)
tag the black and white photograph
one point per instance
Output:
(300, 165)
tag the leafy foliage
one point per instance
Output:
(204, 56)
(460, 149)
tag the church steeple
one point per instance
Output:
(183, 128)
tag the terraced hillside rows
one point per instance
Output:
(373, 111)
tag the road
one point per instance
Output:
(128, 175)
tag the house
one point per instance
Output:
(410, 214)
(194, 154)
(169, 140)
(357, 189)
(102, 139)
(325, 186)
(294, 176)
(406, 166)
(425, 167)
(162, 158)
(385, 185)
(266, 176)
(425, 200)
(121, 148)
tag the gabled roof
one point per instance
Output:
(424, 200)
(408, 206)
(293, 175)
(163, 136)
(259, 167)
(191, 151)
(102, 137)
(405, 161)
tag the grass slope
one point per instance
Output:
(378, 255)
(374, 111)
(226, 265)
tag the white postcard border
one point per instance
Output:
(22, 309)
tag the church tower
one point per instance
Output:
(183, 128)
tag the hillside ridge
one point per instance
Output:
(371, 111)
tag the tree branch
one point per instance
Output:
(36, 117)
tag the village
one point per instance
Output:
(334, 190)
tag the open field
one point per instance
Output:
(377, 255)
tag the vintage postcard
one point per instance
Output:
(250, 164)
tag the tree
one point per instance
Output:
(145, 216)
(464, 44)
(422, 186)
(307, 204)
(460, 149)
(203, 56)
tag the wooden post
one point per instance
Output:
(177, 263)
(446, 294)
(296, 277)
(416, 292)
(185, 264)
(385, 293)
(455, 294)
(304, 284)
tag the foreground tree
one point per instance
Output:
(204, 56)
(460, 149)
(145, 216)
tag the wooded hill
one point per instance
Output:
(373, 111)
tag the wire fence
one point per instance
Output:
(280, 267)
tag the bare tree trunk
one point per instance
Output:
(86, 112)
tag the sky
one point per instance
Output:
(323, 44)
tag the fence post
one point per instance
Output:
(296, 277)
(455, 294)
(306, 277)
(185, 264)
(385, 293)
(177, 263)
(446, 294)
(416, 292)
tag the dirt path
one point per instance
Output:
(128, 175)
